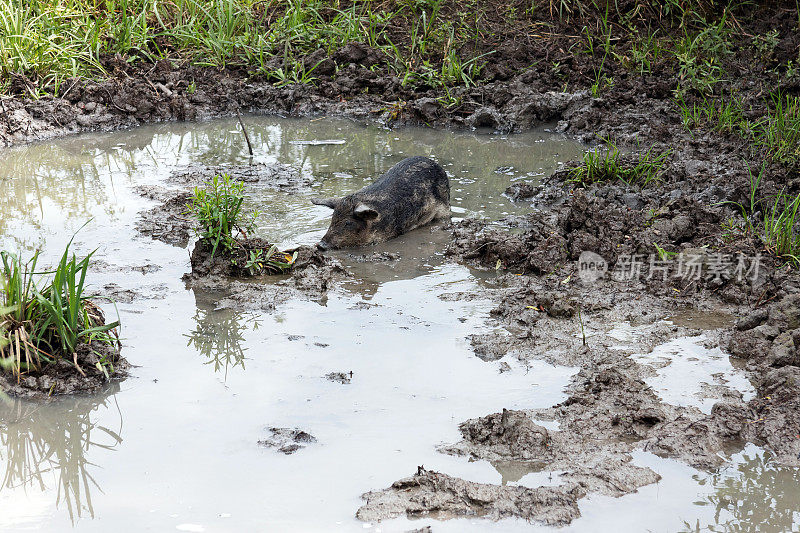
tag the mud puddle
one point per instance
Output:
(345, 395)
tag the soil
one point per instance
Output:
(430, 493)
(542, 304)
(287, 440)
(63, 377)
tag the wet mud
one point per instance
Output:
(80, 375)
(441, 496)
(287, 440)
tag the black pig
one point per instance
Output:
(413, 193)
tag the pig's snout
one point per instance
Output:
(322, 245)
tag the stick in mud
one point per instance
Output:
(246, 136)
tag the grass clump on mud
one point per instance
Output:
(224, 232)
(774, 219)
(779, 132)
(53, 338)
(610, 165)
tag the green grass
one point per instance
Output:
(444, 43)
(782, 228)
(609, 165)
(724, 115)
(217, 207)
(45, 315)
(700, 55)
(51, 40)
(778, 133)
(778, 225)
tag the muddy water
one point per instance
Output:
(175, 447)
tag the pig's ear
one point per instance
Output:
(328, 202)
(365, 212)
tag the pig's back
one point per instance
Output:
(411, 174)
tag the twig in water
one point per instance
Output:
(246, 136)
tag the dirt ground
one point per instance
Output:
(541, 301)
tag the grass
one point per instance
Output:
(52, 40)
(44, 316)
(217, 207)
(434, 43)
(778, 133)
(723, 115)
(782, 228)
(609, 165)
(774, 219)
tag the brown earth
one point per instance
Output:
(64, 377)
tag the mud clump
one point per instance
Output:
(236, 262)
(340, 377)
(429, 493)
(311, 276)
(490, 346)
(537, 251)
(64, 377)
(287, 440)
(768, 339)
(272, 176)
(168, 221)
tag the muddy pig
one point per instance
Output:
(413, 193)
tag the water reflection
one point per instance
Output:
(753, 495)
(40, 443)
(218, 336)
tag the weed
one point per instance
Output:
(218, 209)
(271, 260)
(778, 133)
(749, 210)
(700, 57)
(782, 228)
(645, 52)
(44, 318)
(723, 115)
(608, 165)
(765, 45)
(663, 254)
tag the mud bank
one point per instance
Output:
(82, 375)
(612, 409)
(432, 493)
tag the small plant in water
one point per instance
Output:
(225, 226)
(218, 209)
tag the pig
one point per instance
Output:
(412, 193)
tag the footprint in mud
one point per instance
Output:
(287, 440)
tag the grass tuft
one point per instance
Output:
(217, 207)
(44, 316)
(609, 165)
(778, 133)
